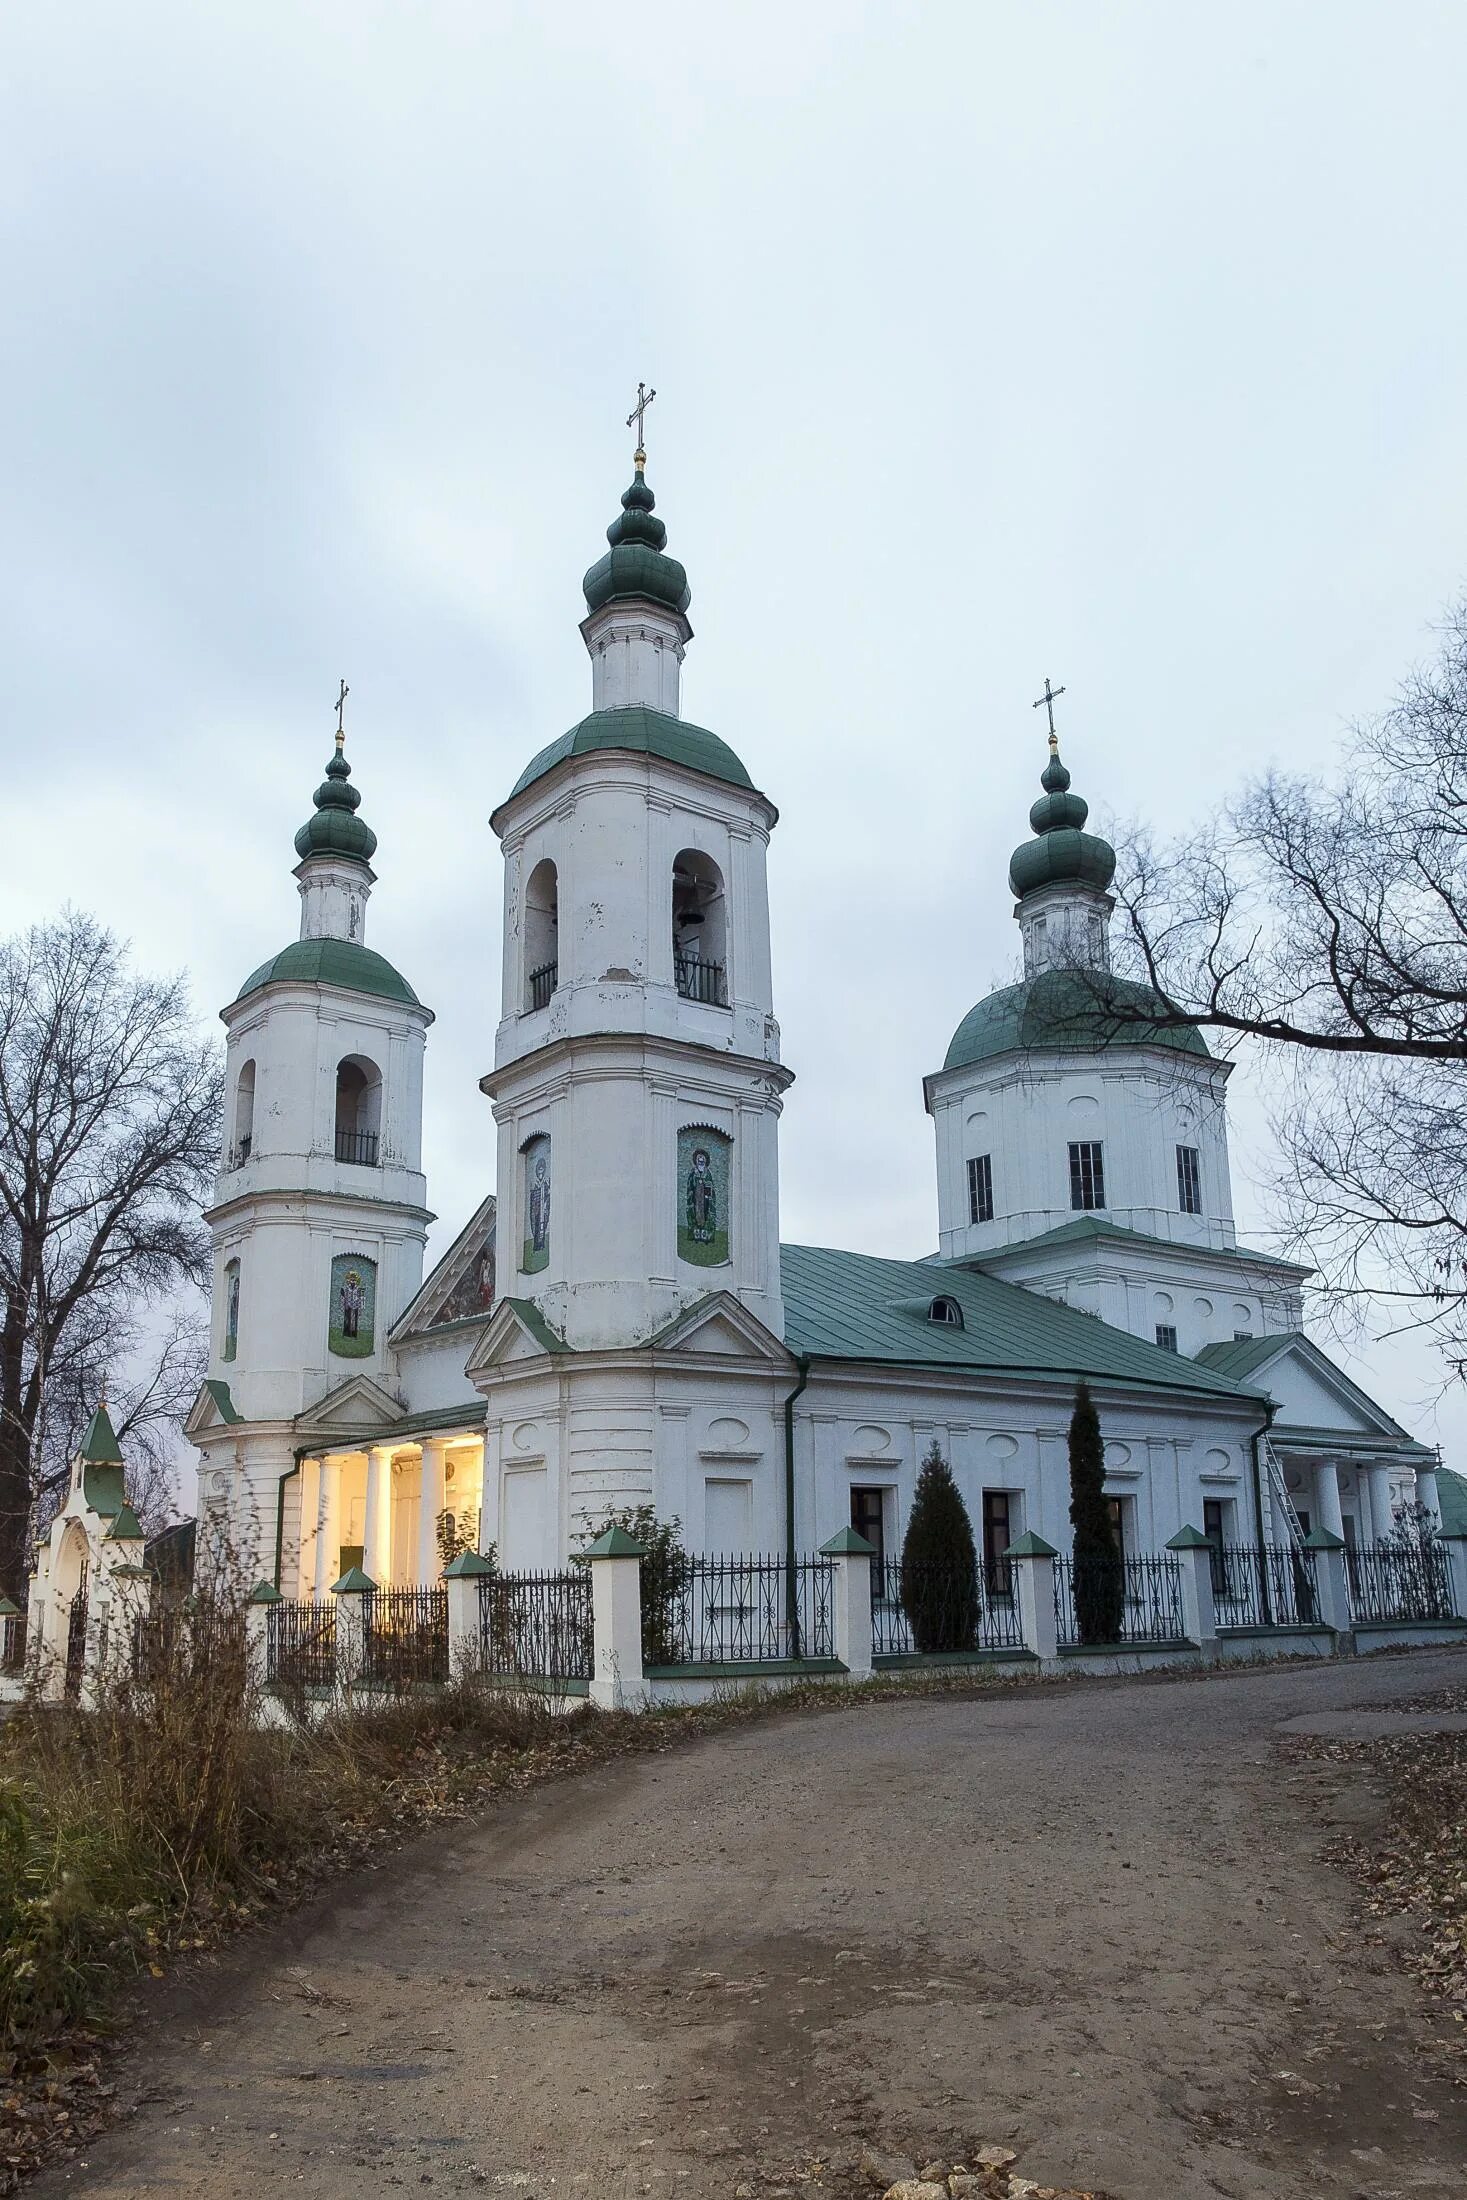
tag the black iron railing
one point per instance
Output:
(12, 1643)
(405, 1639)
(357, 1146)
(300, 1643)
(745, 1610)
(934, 1608)
(701, 981)
(76, 1642)
(189, 1639)
(1400, 1581)
(1125, 1600)
(239, 1153)
(1270, 1587)
(541, 984)
(536, 1626)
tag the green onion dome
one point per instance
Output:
(1076, 1011)
(336, 830)
(635, 564)
(1062, 852)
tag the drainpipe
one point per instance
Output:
(289, 1475)
(791, 1584)
(1257, 1438)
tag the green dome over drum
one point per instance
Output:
(635, 565)
(1068, 1009)
(1062, 852)
(646, 732)
(335, 829)
(342, 963)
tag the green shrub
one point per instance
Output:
(940, 1563)
(666, 1571)
(1099, 1576)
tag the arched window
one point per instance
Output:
(699, 928)
(947, 1311)
(358, 1111)
(244, 1116)
(542, 928)
(231, 1310)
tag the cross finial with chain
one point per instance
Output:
(1047, 701)
(635, 418)
(340, 707)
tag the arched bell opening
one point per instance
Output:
(699, 928)
(358, 1111)
(542, 935)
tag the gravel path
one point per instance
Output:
(1086, 1921)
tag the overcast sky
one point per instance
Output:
(1120, 343)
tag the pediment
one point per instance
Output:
(1312, 1393)
(355, 1406)
(461, 1287)
(516, 1330)
(722, 1326)
(213, 1408)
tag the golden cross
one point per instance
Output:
(1047, 701)
(634, 417)
(340, 707)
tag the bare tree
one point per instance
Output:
(1329, 923)
(109, 1124)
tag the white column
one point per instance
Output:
(1426, 1493)
(300, 1583)
(1327, 1498)
(328, 1526)
(430, 1505)
(377, 1535)
(1377, 1477)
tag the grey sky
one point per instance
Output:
(1122, 343)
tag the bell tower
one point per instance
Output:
(637, 1081)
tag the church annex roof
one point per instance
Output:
(1065, 1009)
(644, 732)
(343, 963)
(1246, 1357)
(1097, 1227)
(856, 1306)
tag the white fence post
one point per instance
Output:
(1032, 1562)
(1455, 1547)
(461, 1578)
(850, 1558)
(257, 1630)
(1331, 1581)
(351, 1594)
(617, 1680)
(1199, 1605)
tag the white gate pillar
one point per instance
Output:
(1331, 1580)
(850, 1558)
(1031, 1563)
(1199, 1605)
(461, 1579)
(617, 1679)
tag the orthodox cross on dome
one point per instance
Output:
(1047, 701)
(340, 707)
(634, 419)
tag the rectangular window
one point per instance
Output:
(1215, 1528)
(996, 1539)
(1189, 1180)
(980, 1188)
(868, 1518)
(1166, 1336)
(1087, 1175)
(1242, 1336)
(1117, 1507)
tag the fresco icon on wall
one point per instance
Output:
(536, 1252)
(702, 1175)
(353, 1306)
(231, 1309)
(474, 1291)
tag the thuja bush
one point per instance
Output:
(940, 1562)
(1099, 1577)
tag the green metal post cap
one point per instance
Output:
(848, 1543)
(616, 1543)
(1323, 1539)
(1189, 1539)
(1030, 1545)
(353, 1583)
(264, 1592)
(9, 1609)
(468, 1566)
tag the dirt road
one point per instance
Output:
(1088, 1922)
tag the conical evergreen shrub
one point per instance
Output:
(1099, 1576)
(940, 1562)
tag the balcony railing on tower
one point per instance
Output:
(542, 984)
(700, 981)
(357, 1146)
(239, 1153)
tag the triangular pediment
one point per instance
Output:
(1310, 1392)
(461, 1287)
(723, 1326)
(516, 1330)
(355, 1406)
(212, 1409)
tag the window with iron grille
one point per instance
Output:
(1166, 1336)
(1087, 1174)
(1189, 1180)
(980, 1188)
(868, 1518)
(997, 1575)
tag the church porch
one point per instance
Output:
(399, 1511)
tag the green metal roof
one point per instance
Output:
(335, 829)
(854, 1306)
(332, 962)
(1065, 1009)
(1451, 1490)
(1241, 1357)
(645, 732)
(1243, 1354)
(635, 566)
(100, 1442)
(1061, 852)
(540, 1329)
(1095, 1226)
(219, 1392)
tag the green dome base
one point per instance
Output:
(332, 962)
(645, 732)
(1065, 1009)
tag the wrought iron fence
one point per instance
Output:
(1409, 1580)
(701, 981)
(300, 1643)
(1125, 1600)
(357, 1146)
(189, 1639)
(1268, 1586)
(405, 1640)
(76, 1641)
(542, 984)
(932, 1608)
(746, 1609)
(12, 1643)
(536, 1626)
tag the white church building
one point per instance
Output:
(619, 1323)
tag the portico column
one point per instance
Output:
(1426, 1494)
(1378, 1475)
(377, 1533)
(328, 1526)
(1327, 1498)
(430, 1505)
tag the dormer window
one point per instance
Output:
(947, 1311)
